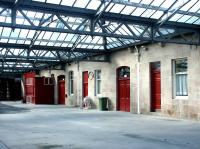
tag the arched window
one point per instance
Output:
(123, 72)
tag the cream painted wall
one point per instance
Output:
(183, 108)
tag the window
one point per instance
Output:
(48, 81)
(180, 77)
(124, 72)
(71, 85)
(97, 82)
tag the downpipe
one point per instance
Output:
(138, 54)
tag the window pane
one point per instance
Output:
(72, 87)
(97, 82)
(181, 85)
(124, 72)
(181, 65)
(71, 83)
(99, 87)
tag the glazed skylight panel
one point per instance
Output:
(94, 4)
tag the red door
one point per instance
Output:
(61, 92)
(155, 86)
(30, 90)
(123, 82)
(85, 83)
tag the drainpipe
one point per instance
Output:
(78, 101)
(138, 79)
(22, 89)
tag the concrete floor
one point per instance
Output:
(59, 127)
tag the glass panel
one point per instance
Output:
(117, 8)
(97, 82)
(195, 7)
(55, 36)
(181, 66)
(146, 2)
(98, 74)
(184, 18)
(6, 32)
(31, 14)
(157, 15)
(47, 35)
(71, 86)
(181, 85)
(81, 3)
(98, 86)
(94, 4)
(157, 2)
(15, 33)
(138, 11)
(128, 10)
(124, 72)
(188, 5)
(192, 19)
(155, 66)
(53, 1)
(31, 34)
(67, 2)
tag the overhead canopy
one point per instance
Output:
(35, 34)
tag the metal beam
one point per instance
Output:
(19, 69)
(31, 57)
(26, 60)
(50, 48)
(98, 33)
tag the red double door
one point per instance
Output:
(155, 86)
(123, 85)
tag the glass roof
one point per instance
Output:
(62, 34)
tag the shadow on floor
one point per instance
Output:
(7, 109)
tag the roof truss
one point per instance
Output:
(42, 32)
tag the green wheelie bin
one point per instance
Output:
(103, 101)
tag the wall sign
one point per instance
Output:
(91, 75)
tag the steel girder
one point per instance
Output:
(50, 48)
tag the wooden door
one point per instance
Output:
(61, 92)
(30, 90)
(123, 83)
(155, 86)
(85, 84)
